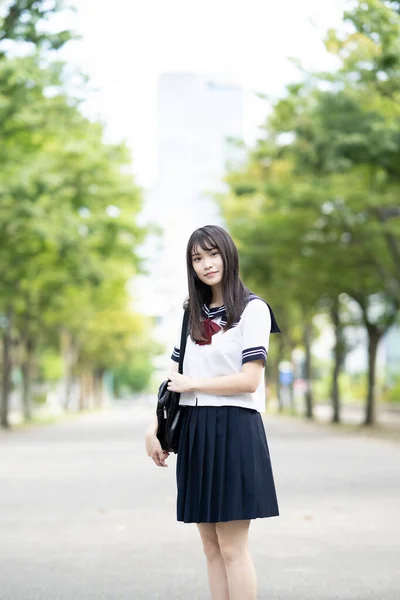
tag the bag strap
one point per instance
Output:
(184, 336)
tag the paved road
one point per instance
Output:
(85, 515)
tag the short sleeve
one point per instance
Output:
(175, 354)
(176, 351)
(256, 331)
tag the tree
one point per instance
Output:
(68, 210)
(322, 186)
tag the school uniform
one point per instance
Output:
(223, 469)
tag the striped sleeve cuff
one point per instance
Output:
(175, 354)
(256, 353)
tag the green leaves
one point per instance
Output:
(24, 21)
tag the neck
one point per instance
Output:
(217, 298)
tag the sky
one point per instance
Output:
(127, 44)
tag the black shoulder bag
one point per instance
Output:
(169, 413)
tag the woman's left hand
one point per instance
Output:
(180, 383)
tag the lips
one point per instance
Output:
(213, 273)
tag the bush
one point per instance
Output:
(50, 366)
(40, 399)
(133, 377)
(393, 392)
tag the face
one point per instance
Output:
(208, 265)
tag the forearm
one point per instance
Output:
(226, 385)
(153, 427)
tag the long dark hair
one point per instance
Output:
(235, 294)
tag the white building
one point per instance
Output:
(197, 117)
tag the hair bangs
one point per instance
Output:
(203, 240)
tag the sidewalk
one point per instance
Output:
(387, 415)
(86, 515)
(351, 414)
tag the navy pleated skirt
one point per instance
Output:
(223, 467)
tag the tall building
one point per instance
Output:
(197, 117)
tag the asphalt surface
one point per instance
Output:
(86, 515)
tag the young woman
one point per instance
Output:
(224, 473)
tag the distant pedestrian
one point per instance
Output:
(224, 472)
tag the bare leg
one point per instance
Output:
(233, 543)
(215, 563)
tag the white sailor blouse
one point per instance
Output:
(246, 340)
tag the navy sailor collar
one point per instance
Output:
(220, 311)
(211, 313)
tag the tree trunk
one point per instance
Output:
(82, 391)
(373, 340)
(69, 355)
(86, 391)
(279, 359)
(26, 368)
(90, 390)
(375, 332)
(338, 354)
(335, 388)
(307, 338)
(98, 388)
(7, 368)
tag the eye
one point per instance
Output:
(214, 253)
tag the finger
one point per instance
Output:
(156, 459)
(160, 462)
(162, 458)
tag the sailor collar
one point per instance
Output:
(220, 312)
(212, 313)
